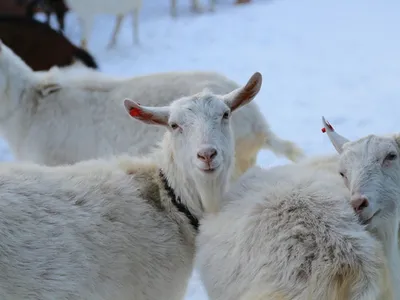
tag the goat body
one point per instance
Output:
(12, 7)
(86, 232)
(289, 233)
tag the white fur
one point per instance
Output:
(65, 116)
(370, 168)
(88, 9)
(289, 233)
(108, 229)
(195, 6)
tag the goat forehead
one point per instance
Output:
(369, 149)
(198, 106)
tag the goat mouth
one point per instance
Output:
(368, 221)
(208, 170)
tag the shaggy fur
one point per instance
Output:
(61, 117)
(109, 229)
(289, 233)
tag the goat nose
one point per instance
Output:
(207, 154)
(359, 203)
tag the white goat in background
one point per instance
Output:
(370, 168)
(122, 228)
(88, 9)
(62, 117)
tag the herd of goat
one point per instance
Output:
(31, 39)
(113, 198)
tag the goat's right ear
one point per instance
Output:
(246, 94)
(46, 89)
(146, 114)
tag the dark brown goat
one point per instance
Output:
(39, 45)
(12, 7)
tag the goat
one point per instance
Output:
(40, 46)
(69, 116)
(121, 228)
(86, 10)
(289, 233)
(11, 7)
(370, 169)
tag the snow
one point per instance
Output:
(336, 58)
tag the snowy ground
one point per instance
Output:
(336, 58)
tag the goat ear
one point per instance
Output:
(397, 139)
(336, 139)
(48, 88)
(246, 94)
(146, 114)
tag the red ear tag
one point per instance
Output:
(330, 127)
(135, 112)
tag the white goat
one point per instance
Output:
(196, 7)
(289, 233)
(60, 118)
(370, 168)
(123, 228)
(88, 9)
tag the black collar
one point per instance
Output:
(177, 202)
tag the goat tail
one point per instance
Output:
(281, 147)
(85, 57)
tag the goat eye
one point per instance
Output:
(391, 156)
(174, 126)
(226, 115)
(341, 174)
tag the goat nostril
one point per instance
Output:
(200, 156)
(359, 204)
(364, 203)
(213, 153)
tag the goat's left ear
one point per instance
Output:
(246, 94)
(46, 89)
(146, 114)
(336, 139)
